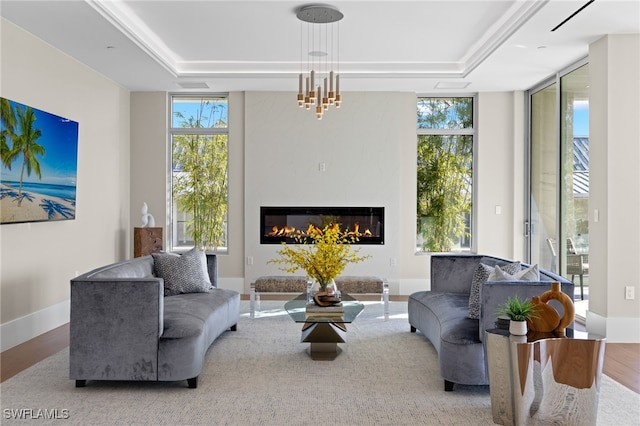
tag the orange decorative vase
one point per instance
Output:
(569, 311)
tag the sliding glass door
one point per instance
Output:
(543, 209)
(574, 167)
(558, 227)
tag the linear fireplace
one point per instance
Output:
(278, 224)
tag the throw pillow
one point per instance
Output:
(499, 275)
(185, 273)
(480, 276)
(532, 273)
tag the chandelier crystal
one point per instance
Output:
(319, 78)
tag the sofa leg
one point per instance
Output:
(448, 386)
(193, 382)
(81, 383)
(413, 329)
(234, 327)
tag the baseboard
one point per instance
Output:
(615, 329)
(29, 326)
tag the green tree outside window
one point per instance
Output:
(444, 173)
(200, 168)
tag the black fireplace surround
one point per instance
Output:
(282, 224)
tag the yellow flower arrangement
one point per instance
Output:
(325, 258)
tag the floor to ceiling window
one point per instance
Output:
(574, 188)
(544, 178)
(199, 172)
(445, 132)
(559, 176)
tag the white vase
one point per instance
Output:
(518, 328)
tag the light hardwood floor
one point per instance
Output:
(621, 361)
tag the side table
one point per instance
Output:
(146, 241)
(544, 379)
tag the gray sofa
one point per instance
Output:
(123, 327)
(441, 314)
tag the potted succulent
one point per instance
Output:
(518, 311)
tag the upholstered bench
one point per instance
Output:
(359, 284)
(298, 284)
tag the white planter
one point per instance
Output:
(518, 328)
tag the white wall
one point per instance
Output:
(38, 259)
(369, 148)
(499, 174)
(360, 144)
(614, 99)
(149, 158)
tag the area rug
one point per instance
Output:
(262, 375)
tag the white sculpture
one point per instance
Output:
(147, 218)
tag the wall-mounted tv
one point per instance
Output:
(39, 165)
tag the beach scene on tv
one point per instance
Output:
(39, 165)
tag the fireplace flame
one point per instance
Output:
(291, 231)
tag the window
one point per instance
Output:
(445, 173)
(199, 177)
(558, 181)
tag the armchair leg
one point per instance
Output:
(193, 382)
(448, 386)
(581, 288)
(81, 383)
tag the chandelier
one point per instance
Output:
(318, 83)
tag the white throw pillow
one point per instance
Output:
(532, 273)
(499, 275)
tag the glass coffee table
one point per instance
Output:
(323, 332)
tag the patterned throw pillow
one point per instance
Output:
(480, 276)
(185, 273)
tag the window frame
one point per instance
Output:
(201, 131)
(472, 132)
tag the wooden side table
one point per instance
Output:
(146, 241)
(544, 379)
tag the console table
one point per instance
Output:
(542, 378)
